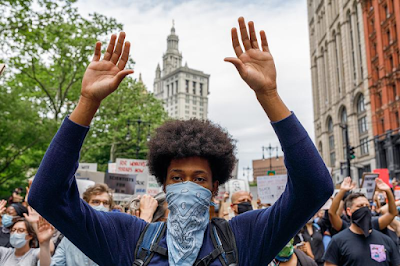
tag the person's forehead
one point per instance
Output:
(360, 200)
(241, 195)
(10, 209)
(102, 196)
(190, 164)
(19, 225)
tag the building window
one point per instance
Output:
(331, 143)
(194, 113)
(186, 112)
(361, 104)
(187, 86)
(353, 57)
(194, 108)
(172, 88)
(364, 146)
(194, 101)
(343, 120)
(201, 89)
(176, 86)
(362, 125)
(186, 106)
(397, 120)
(194, 87)
(167, 90)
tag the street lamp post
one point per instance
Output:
(270, 149)
(139, 122)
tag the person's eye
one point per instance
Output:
(176, 178)
(199, 179)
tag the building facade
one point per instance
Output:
(183, 90)
(340, 85)
(262, 166)
(382, 45)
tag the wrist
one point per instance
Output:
(88, 102)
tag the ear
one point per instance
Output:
(348, 212)
(215, 188)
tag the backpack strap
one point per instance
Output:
(224, 243)
(147, 244)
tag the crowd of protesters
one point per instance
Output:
(190, 159)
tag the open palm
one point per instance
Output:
(102, 77)
(255, 66)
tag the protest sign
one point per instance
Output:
(130, 166)
(397, 193)
(270, 188)
(368, 182)
(121, 183)
(97, 177)
(83, 185)
(88, 166)
(112, 168)
(221, 192)
(327, 205)
(384, 175)
(152, 186)
(120, 197)
(235, 185)
(141, 183)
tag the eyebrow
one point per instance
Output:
(195, 172)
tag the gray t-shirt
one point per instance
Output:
(7, 257)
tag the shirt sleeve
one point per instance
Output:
(59, 258)
(261, 234)
(332, 253)
(395, 254)
(54, 194)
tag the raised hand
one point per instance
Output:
(148, 205)
(3, 208)
(347, 184)
(380, 185)
(102, 77)
(32, 217)
(45, 231)
(256, 66)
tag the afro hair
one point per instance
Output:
(179, 139)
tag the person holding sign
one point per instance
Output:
(191, 159)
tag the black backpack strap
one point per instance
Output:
(224, 242)
(147, 244)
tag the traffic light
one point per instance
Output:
(351, 153)
(271, 173)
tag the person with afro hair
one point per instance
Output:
(190, 159)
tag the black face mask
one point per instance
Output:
(244, 207)
(362, 218)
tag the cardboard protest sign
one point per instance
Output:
(141, 183)
(121, 183)
(112, 168)
(270, 188)
(384, 175)
(368, 182)
(327, 205)
(235, 185)
(152, 186)
(97, 177)
(221, 192)
(88, 166)
(130, 166)
(397, 193)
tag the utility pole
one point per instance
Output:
(348, 149)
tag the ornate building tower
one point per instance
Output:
(340, 86)
(184, 90)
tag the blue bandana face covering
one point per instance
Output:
(188, 217)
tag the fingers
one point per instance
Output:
(244, 35)
(264, 42)
(253, 36)
(120, 76)
(125, 56)
(96, 57)
(110, 48)
(235, 43)
(118, 49)
(237, 63)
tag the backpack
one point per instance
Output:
(221, 236)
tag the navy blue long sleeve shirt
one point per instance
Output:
(110, 238)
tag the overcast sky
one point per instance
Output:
(203, 28)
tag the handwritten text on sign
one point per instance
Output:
(270, 188)
(130, 166)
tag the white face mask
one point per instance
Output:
(17, 240)
(101, 208)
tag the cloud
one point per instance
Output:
(203, 28)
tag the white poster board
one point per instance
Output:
(97, 177)
(83, 185)
(112, 168)
(88, 166)
(270, 188)
(369, 184)
(221, 192)
(121, 183)
(130, 166)
(152, 186)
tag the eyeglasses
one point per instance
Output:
(18, 230)
(105, 203)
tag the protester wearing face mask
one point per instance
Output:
(311, 233)
(290, 256)
(190, 158)
(12, 212)
(241, 202)
(67, 254)
(24, 237)
(360, 245)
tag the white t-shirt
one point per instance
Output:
(7, 257)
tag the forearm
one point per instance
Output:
(334, 217)
(45, 254)
(391, 203)
(273, 106)
(84, 111)
(147, 216)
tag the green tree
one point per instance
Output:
(48, 49)
(108, 138)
